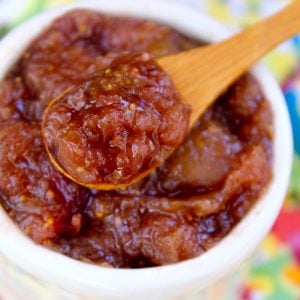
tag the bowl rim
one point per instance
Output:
(203, 270)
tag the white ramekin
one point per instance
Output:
(71, 279)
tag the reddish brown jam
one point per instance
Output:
(43, 202)
(119, 124)
(182, 209)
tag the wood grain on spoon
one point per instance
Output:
(202, 74)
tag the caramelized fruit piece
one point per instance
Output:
(42, 201)
(116, 127)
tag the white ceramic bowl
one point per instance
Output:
(65, 275)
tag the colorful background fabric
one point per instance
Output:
(274, 272)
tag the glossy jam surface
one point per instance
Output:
(182, 209)
(119, 124)
(42, 201)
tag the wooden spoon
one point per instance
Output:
(202, 74)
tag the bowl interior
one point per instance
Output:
(201, 271)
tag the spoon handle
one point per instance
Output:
(218, 65)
